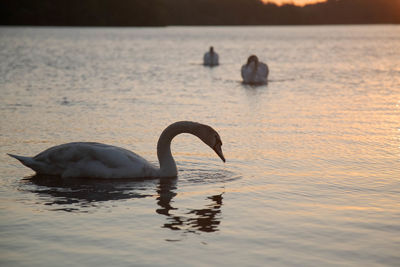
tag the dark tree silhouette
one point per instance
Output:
(194, 12)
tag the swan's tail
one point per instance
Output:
(27, 161)
(39, 166)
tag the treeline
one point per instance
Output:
(194, 12)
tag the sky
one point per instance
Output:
(297, 2)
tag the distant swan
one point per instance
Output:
(254, 72)
(95, 160)
(210, 58)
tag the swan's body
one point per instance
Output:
(210, 58)
(254, 72)
(95, 160)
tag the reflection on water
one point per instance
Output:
(166, 192)
(208, 219)
(205, 219)
(76, 195)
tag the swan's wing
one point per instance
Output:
(243, 71)
(94, 160)
(215, 59)
(206, 57)
(262, 70)
(248, 73)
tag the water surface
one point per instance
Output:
(312, 171)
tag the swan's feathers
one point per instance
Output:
(88, 159)
(210, 59)
(252, 75)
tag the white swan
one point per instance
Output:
(210, 58)
(95, 160)
(254, 72)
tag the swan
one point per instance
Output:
(96, 160)
(254, 71)
(210, 58)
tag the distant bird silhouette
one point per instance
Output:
(210, 58)
(254, 71)
(95, 160)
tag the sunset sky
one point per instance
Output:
(297, 2)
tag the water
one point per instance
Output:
(312, 171)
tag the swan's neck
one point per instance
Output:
(167, 162)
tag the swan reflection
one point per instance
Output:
(81, 195)
(78, 195)
(206, 219)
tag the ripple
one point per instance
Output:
(205, 177)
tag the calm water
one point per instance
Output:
(312, 176)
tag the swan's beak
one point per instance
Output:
(217, 148)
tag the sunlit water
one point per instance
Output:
(312, 171)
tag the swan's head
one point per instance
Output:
(209, 136)
(252, 58)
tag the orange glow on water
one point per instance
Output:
(295, 2)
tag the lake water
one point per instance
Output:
(312, 176)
